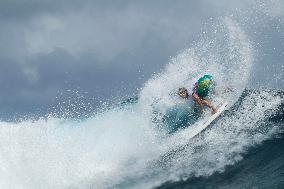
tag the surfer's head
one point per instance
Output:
(183, 93)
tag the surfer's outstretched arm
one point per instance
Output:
(207, 103)
(203, 102)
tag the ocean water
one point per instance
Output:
(130, 145)
(242, 149)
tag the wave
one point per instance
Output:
(261, 164)
(127, 146)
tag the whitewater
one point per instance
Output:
(127, 145)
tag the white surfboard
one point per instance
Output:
(203, 125)
(188, 133)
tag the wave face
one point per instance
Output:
(127, 146)
(261, 163)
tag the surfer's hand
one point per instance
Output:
(214, 111)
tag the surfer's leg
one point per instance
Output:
(207, 103)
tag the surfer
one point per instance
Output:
(200, 91)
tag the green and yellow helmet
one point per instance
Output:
(204, 83)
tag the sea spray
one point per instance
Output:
(122, 147)
(226, 54)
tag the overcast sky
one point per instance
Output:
(106, 49)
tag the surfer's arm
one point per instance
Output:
(207, 103)
(198, 100)
(203, 102)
